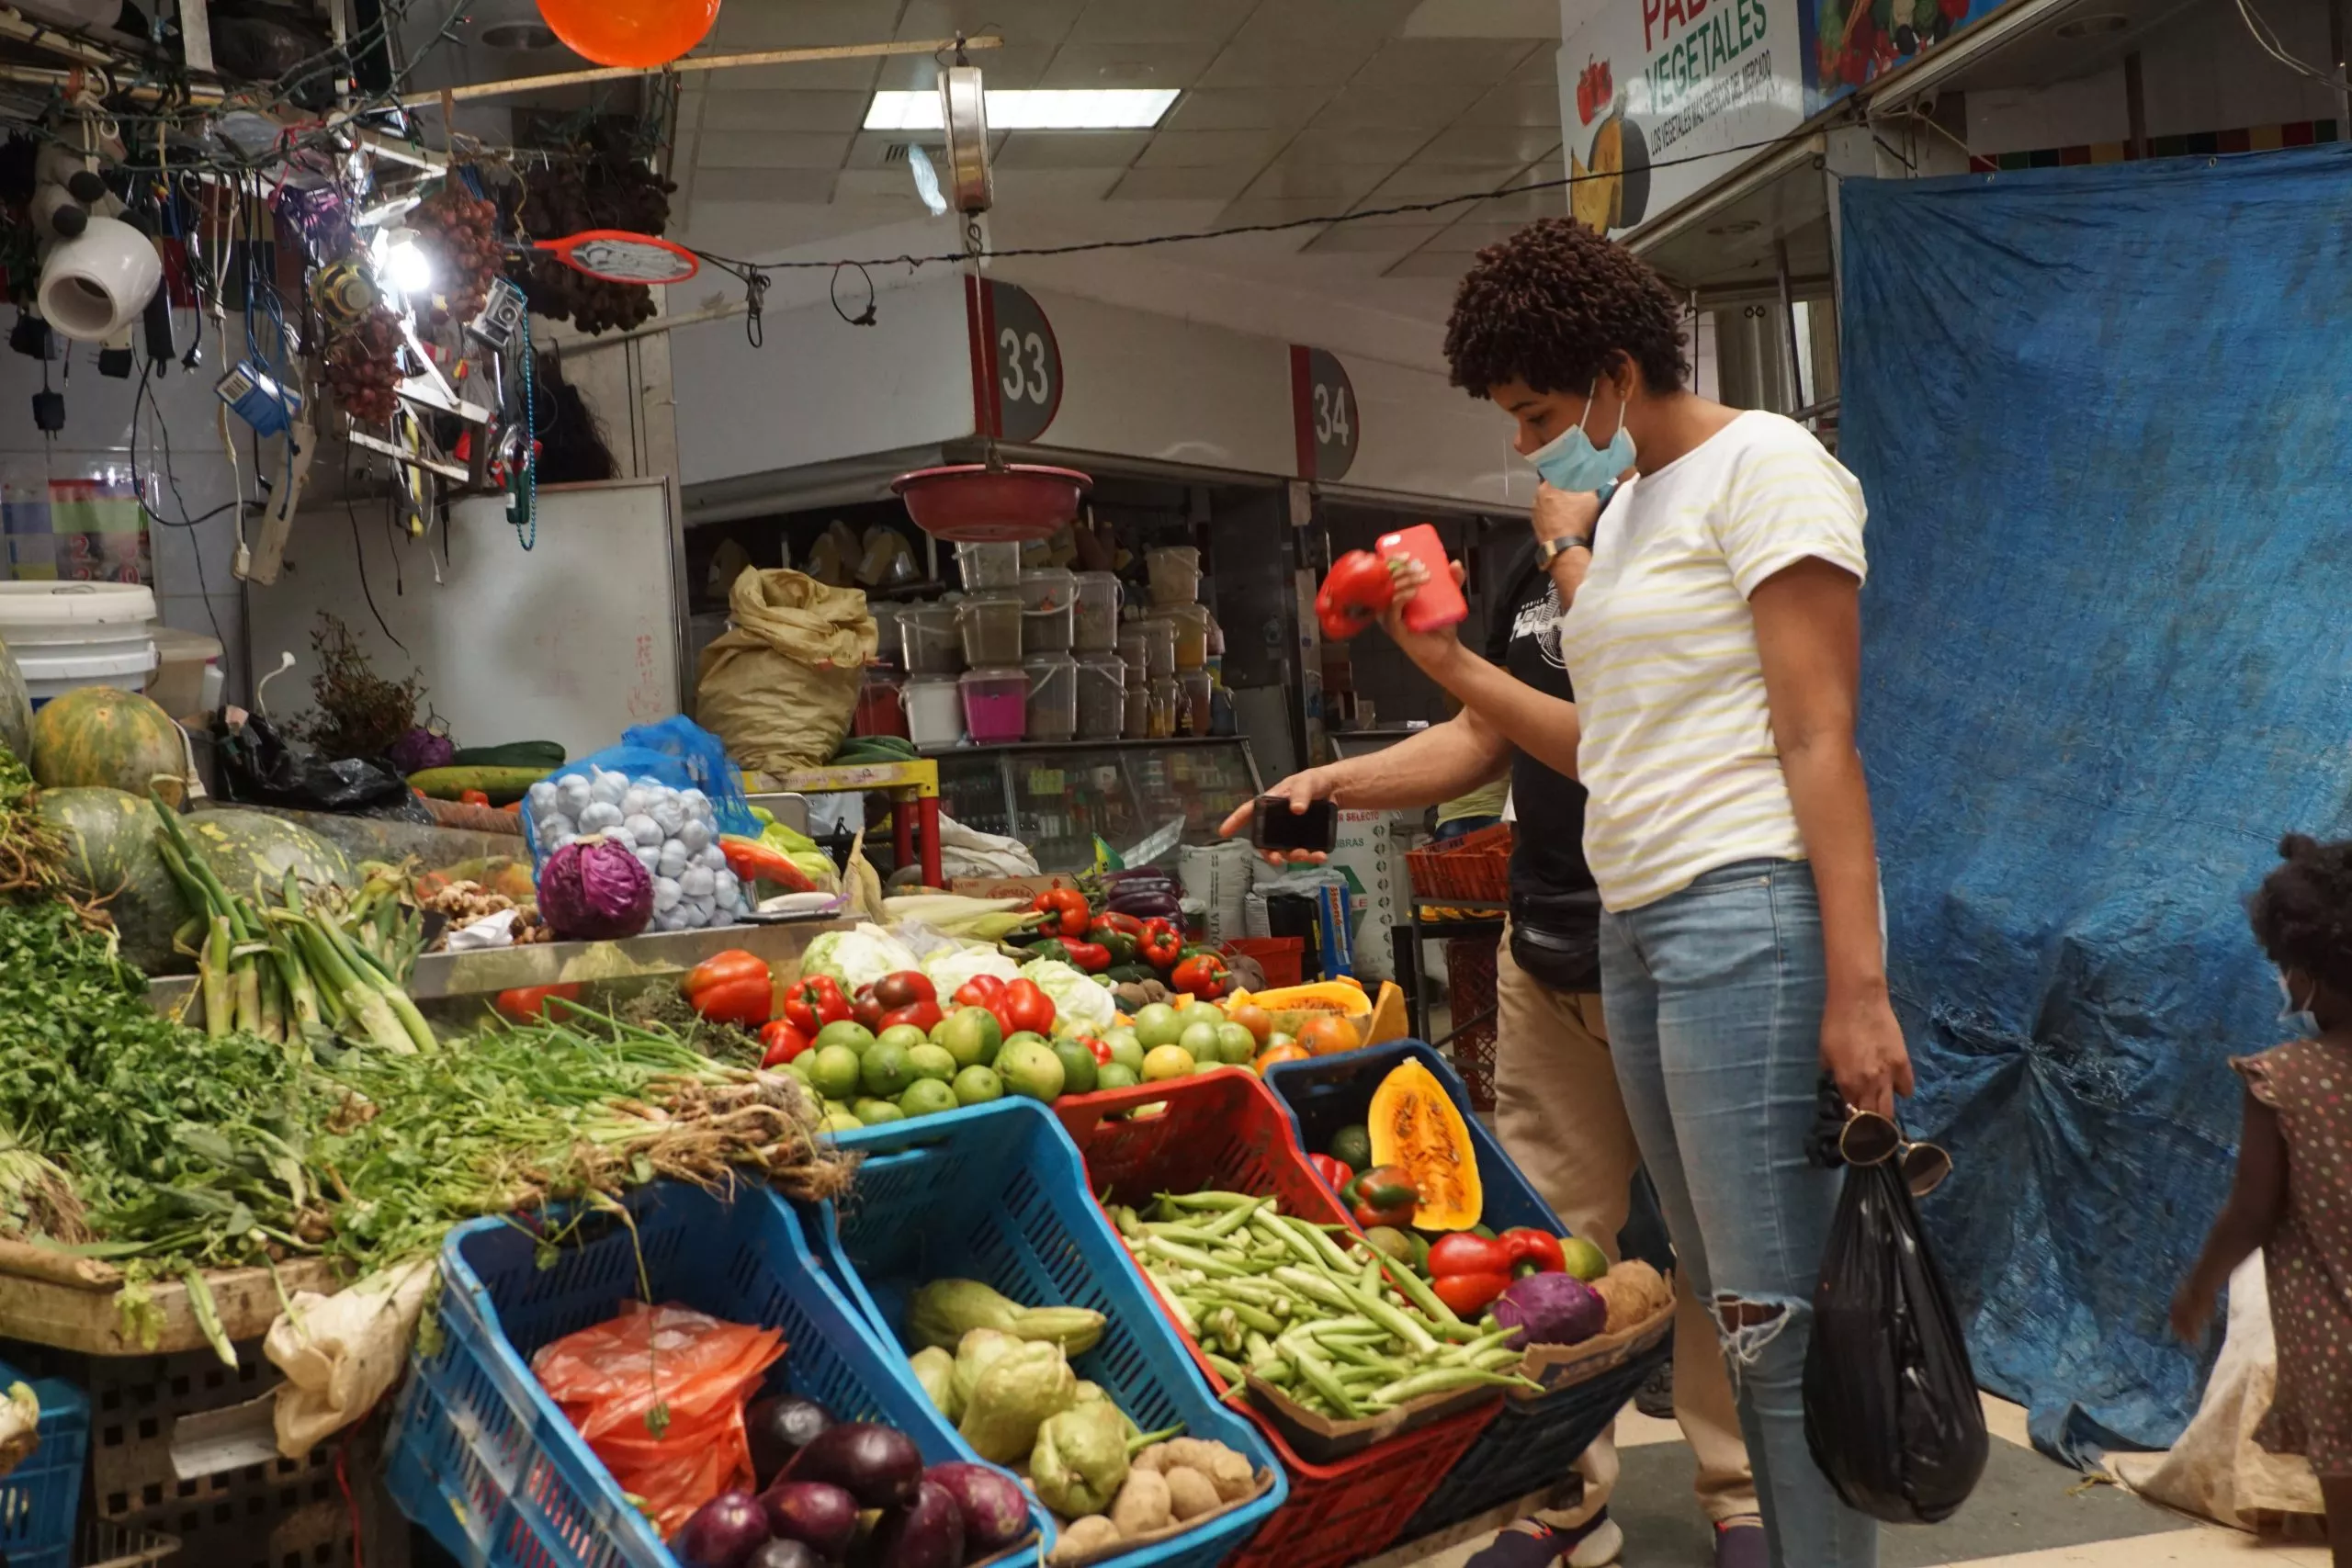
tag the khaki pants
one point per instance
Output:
(1559, 1115)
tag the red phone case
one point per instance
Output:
(1438, 602)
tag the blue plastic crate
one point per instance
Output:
(1533, 1441)
(39, 1499)
(998, 1193)
(485, 1462)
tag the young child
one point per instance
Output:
(2292, 1197)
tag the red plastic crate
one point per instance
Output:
(1474, 867)
(1223, 1131)
(1283, 958)
(1470, 991)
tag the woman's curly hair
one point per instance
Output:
(1552, 306)
(2302, 911)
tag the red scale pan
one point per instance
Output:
(977, 503)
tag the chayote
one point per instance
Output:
(1020, 1391)
(1080, 1459)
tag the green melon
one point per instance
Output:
(246, 848)
(16, 709)
(97, 736)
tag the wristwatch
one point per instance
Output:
(1549, 551)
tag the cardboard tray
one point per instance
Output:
(1319, 1440)
(68, 1302)
(1564, 1366)
(1137, 1544)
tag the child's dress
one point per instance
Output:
(2308, 1260)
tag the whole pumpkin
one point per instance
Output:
(100, 736)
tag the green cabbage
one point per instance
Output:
(1078, 1000)
(950, 967)
(857, 957)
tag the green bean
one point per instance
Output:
(1192, 1258)
(1396, 1323)
(1444, 1380)
(1235, 1219)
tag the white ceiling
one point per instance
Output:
(1290, 109)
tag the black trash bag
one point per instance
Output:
(1891, 1408)
(260, 767)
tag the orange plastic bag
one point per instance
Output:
(658, 1394)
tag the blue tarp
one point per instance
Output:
(2101, 416)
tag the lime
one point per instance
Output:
(837, 1108)
(977, 1085)
(1390, 1241)
(1279, 1039)
(905, 1034)
(885, 1072)
(1236, 1046)
(1116, 1075)
(1029, 1067)
(1352, 1146)
(931, 1061)
(1164, 1062)
(1202, 1012)
(1078, 1071)
(1156, 1025)
(874, 1113)
(971, 1035)
(832, 1071)
(928, 1096)
(839, 1121)
(1199, 1041)
(1581, 1260)
(1125, 1049)
(846, 1032)
(1025, 1037)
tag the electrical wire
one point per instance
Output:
(144, 395)
(2266, 38)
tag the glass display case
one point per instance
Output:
(1059, 797)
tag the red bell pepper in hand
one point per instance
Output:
(1161, 944)
(756, 860)
(1202, 975)
(1534, 1251)
(528, 1002)
(784, 1043)
(1469, 1296)
(1068, 905)
(1334, 1172)
(1355, 592)
(1027, 1009)
(924, 1015)
(733, 987)
(814, 1002)
(1091, 957)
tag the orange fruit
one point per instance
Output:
(1275, 1056)
(1328, 1035)
(1254, 1018)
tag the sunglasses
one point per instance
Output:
(1869, 1138)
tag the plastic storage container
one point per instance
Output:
(991, 628)
(1175, 574)
(1193, 708)
(1101, 696)
(934, 705)
(929, 641)
(1135, 721)
(1053, 696)
(39, 1498)
(185, 664)
(881, 709)
(1158, 635)
(1132, 653)
(1223, 1130)
(1099, 597)
(988, 566)
(1189, 625)
(1048, 610)
(1165, 695)
(997, 1193)
(1535, 1439)
(485, 1462)
(885, 628)
(996, 704)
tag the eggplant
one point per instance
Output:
(723, 1533)
(927, 1533)
(994, 1509)
(779, 1427)
(878, 1466)
(784, 1554)
(815, 1513)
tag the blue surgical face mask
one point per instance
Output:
(2295, 1015)
(1569, 461)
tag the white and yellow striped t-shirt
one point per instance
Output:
(1677, 751)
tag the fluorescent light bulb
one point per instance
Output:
(1043, 108)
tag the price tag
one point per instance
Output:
(1323, 414)
(1016, 362)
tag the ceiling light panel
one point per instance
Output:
(1047, 108)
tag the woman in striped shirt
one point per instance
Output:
(1714, 645)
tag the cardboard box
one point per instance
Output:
(1007, 886)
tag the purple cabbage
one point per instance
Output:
(1550, 1309)
(593, 889)
(420, 748)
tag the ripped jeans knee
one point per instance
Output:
(1750, 1324)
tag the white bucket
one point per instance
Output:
(62, 618)
(49, 673)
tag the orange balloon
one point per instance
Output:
(629, 32)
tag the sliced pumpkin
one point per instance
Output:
(1415, 1127)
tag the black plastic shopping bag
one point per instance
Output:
(1891, 1410)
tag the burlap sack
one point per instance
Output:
(780, 685)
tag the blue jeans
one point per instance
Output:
(1713, 997)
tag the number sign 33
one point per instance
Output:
(1018, 388)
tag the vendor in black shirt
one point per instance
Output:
(1557, 1109)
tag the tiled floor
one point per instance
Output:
(2026, 1513)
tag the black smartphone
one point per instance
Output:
(1274, 826)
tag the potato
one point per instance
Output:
(1230, 1473)
(1084, 1537)
(1153, 1459)
(1195, 1453)
(1191, 1494)
(1143, 1505)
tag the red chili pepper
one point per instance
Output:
(924, 1015)
(814, 1002)
(1091, 957)
(733, 987)
(1068, 906)
(1027, 1009)
(1468, 1296)
(1160, 944)
(784, 1043)
(756, 860)
(1202, 975)
(531, 1001)
(1355, 592)
(1334, 1172)
(1534, 1247)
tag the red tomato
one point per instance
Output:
(1027, 1008)
(924, 1015)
